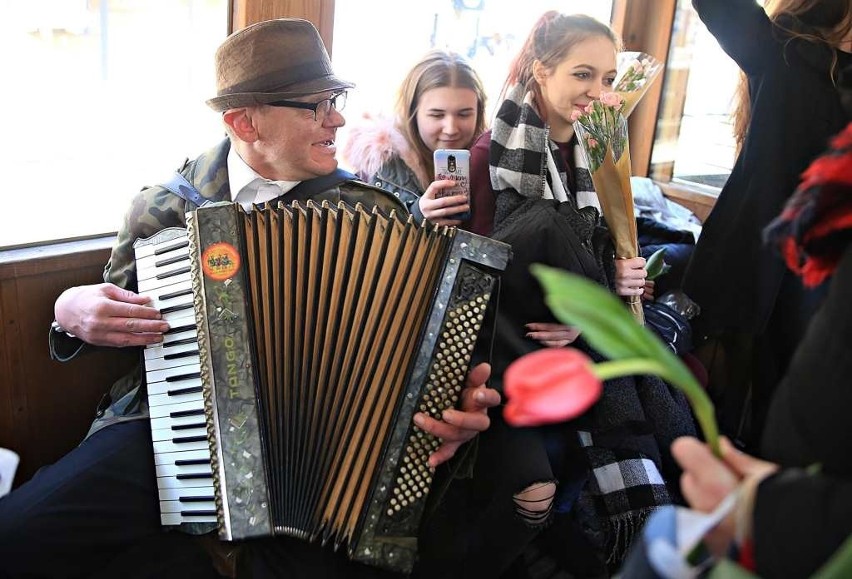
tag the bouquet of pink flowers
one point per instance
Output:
(636, 72)
(602, 133)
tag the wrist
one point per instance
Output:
(56, 327)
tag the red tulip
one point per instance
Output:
(549, 385)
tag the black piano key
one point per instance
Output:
(176, 294)
(178, 329)
(185, 439)
(180, 377)
(191, 461)
(198, 513)
(176, 308)
(166, 249)
(171, 260)
(168, 274)
(182, 413)
(197, 499)
(182, 342)
(189, 427)
(177, 355)
(194, 475)
(180, 391)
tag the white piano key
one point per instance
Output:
(172, 519)
(161, 411)
(162, 387)
(174, 457)
(168, 433)
(183, 333)
(173, 482)
(178, 238)
(146, 285)
(183, 316)
(174, 470)
(161, 375)
(175, 294)
(175, 398)
(168, 421)
(178, 506)
(169, 446)
(180, 357)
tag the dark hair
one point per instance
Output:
(553, 36)
(437, 69)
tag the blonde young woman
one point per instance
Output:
(791, 54)
(440, 105)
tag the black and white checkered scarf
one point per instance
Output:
(523, 159)
(625, 437)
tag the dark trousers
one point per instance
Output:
(87, 513)
(95, 513)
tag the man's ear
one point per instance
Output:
(241, 123)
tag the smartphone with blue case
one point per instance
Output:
(454, 164)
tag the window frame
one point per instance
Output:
(645, 25)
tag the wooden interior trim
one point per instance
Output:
(699, 202)
(646, 26)
(320, 12)
(55, 257)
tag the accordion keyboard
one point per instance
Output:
(172, 372)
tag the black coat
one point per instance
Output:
(795, 109)
(801, 519)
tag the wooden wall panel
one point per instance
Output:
(320, 12)
(46, 407)
(645, 25)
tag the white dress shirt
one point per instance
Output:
(247, 187)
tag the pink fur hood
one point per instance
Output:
(373, 142)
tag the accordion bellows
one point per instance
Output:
(322, 330)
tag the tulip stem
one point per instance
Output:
(629, 367)
(701, 405)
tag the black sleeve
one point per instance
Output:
(801, 518)
(742, 29)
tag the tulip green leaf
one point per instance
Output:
(607, 325)
(656, 265)
(727, 569)
(840, 564)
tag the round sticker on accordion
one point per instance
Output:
(220, 261)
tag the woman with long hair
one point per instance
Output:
(547, 487)
(440, 105)
(755, 310)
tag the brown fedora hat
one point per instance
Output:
(269, 61)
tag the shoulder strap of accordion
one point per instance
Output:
(181, 187)
(311, 187)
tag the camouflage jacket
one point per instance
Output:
(156, 208)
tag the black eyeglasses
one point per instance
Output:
(320, 109)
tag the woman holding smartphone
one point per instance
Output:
(440, 105)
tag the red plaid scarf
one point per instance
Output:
(816, 224)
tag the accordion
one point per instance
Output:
(304, 339)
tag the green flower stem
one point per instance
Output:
(701, 405)
(629, 367)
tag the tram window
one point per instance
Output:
(100, 98)
(376, 53)
(694, 143)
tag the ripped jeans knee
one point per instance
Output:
(535, 503)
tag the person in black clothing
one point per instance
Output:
(790, 105)
(791, 516)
